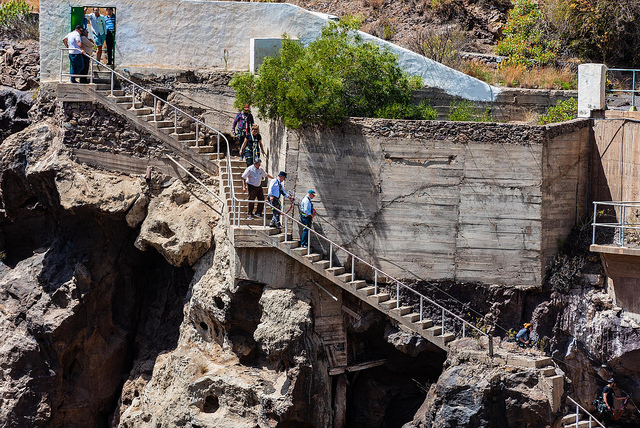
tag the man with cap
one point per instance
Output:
(523, 335)
(73, 42)
(608, 395)
(252, 178)
(276, 189)
(306, 216)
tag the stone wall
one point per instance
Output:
(192, 34)
(89, 126)
(441, 200)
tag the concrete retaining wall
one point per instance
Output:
(442, 200)
(194, 34)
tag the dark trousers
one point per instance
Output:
(306, 220)
(109, 40)
(77, 64)
(255, 192)
(275, 218)
(85, 71)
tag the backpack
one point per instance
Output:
(600, 405)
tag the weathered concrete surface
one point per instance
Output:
(592, 79)
(442, 200)
(194, 34)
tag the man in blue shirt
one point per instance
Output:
(306, 216)
(110, 21)
(523, 336)
(276, 189)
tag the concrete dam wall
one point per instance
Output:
(481, 202)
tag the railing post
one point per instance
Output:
(577, 414)
(91, 70)
(421, 307)
(309, 241)
(397, 295)
(633, 92)
(443, 321)
(133, 97)
(218, 149)
(375, 283)
(197, 134)
(111, 83)
(490, 336)
(595, 210)
(464, 325)
(61, 63)
(353, 268)
(175, 121)
(155, 108)
(622, 222)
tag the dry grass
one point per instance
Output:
(519, 76)
(375, 4)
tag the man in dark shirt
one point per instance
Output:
(523, 336)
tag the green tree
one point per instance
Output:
(336, 75)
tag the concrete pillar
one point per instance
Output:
(340, 401)
(591, 84)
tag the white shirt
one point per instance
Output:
(254, 175)
(98, 25)
(274, 189)
(73, 40)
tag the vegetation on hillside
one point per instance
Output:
(335, 76)
(17, 21)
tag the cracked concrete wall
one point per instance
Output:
(441, 200)
(194, 34)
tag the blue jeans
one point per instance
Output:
(77, 64)
(306, 220)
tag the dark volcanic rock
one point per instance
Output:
(14, 109)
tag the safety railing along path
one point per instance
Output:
(580, 418)
(616, 224)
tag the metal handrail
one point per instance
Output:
(236, 203)
(620, 226)
(591, 417)
(377, 273)
(633, 89)
(176, 110)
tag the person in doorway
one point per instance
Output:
(252, 145)
(98, 30)
(110, 22)
(307, 212)
(522, 337)
(242, 124)
(87, 47)
(252, 179)
(73, 41)
(276, 189)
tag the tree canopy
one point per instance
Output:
(335, 76)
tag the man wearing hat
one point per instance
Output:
(276, 189)
(608, 395)
(523, 335)
(306, 216)
(252, 178)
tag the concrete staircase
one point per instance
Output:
(579, 417)
(380, 299)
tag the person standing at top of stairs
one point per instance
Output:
(306, 216)
(98, 30)
(252, 178)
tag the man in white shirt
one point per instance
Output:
(276, 189)
(73, 42)
(252, 178)
(98, 29)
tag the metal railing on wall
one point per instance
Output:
(632, 90)
(426, 304)
(590, 423)
(616, 224)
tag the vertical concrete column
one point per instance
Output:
(591, 85)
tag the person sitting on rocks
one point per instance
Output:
(522, 338)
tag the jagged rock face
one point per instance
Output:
(14, 109)
(79, 302)
(472, 393)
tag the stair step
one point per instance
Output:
(358, 284)
(381, 297)
(107, 91)
(436, 330)
(571, 419)
(367, 291)
(161, 124)
(548, 371)
(335, 270)
(183, 136)
(313, 257)
(345, 277)
(389, 304)
(141, 111)
(424, 324)
(412, 317)
(402, 310)
(300, 251)
(203, 149)
(582, 424)
(322, 264)
(448, 337)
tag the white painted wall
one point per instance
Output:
(193, 34)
